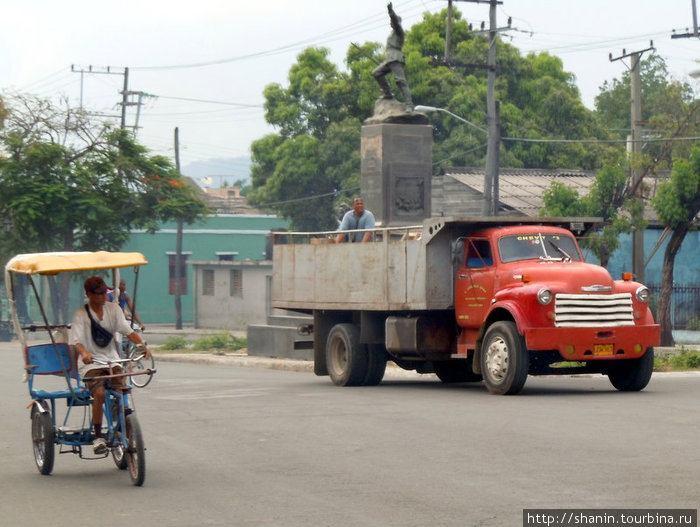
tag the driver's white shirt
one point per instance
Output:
(113, 320)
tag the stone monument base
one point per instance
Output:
(397, 169)
(391, 111)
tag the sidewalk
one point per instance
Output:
(158, 334)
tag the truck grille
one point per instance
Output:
(593, 310)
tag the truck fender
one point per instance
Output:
(498, 311)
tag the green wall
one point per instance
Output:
(242, 234)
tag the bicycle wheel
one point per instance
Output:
(135, 454)
(142, 364)
(43, 437)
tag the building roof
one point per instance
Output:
(522, 189)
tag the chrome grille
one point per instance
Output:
(593, 310)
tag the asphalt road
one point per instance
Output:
(239, 446)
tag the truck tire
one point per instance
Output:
(634, 374)
(504, 359)
(376, 367)
(346, 358)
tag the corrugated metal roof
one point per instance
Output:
(522, 189)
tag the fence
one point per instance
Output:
(685, 305)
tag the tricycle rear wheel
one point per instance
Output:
(43, 438)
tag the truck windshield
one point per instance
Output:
(537, 246)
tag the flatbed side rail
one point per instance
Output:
(320, 237)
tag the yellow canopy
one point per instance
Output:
(52, 263)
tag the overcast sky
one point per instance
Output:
(206, 62)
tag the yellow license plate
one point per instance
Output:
(603, 349)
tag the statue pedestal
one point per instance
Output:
(396, 172)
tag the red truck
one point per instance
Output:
(492, 299)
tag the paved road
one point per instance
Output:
(230, 445)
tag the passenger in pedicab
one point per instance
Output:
(92, 333)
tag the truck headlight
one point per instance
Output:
(544, 296)
(642, 294)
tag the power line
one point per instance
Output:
(307, 198)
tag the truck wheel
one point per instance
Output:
(347, 359)
(455, 371)
(634, 374)
(377, 357)
(504, 359)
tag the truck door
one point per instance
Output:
(474, 283)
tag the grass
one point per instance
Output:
(684, 360)
(218, 343)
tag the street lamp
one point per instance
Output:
(428, 109)
(491, 171)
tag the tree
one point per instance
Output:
(307, 179)
(316, 148)
(606, 192)
(677, 203)
(70, 183)
(670, 112)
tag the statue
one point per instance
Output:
(394, 62)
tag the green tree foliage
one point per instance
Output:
(326, 106)
(317, 146)
(668, 109)
(677, 204)
(601, 201)
(68, 183)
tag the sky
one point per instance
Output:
(203, 67)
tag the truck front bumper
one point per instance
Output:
(585, 344)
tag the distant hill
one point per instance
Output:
(215, 172)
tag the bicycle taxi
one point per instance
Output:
(44, 290)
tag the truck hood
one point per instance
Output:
(578, 277)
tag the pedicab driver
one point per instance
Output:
(111, 317)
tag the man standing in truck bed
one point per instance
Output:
(357, 218)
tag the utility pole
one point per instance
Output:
(491, 192)
(490, 207)
(635, 148)
(124, 72)
(125, 97)
(492, 109)
(448, 30)
(695, 25)
(108, 70)
(178, 247)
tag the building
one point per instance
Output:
(218, 238)
(230, 294)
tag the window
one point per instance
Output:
(534, 246)
(236, 282)
(226, 256)
(208, 282)
(479, 254)
(172, 268)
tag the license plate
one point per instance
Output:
(603, 349)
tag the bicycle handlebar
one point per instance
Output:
(116, 362)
